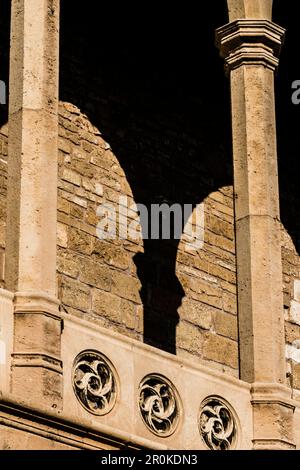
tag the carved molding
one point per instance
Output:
(94, 382)
(250, 42)
(36, 302)
(217, 424)
(37, 359)
(159, 405)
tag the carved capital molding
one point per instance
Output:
(250, 42)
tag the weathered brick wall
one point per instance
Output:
(99, 279)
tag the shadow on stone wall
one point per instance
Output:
(155, 88)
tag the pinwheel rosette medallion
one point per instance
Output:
(217, 424)
(94, 382)
(159, 405)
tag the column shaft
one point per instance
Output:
(32, 198)
(260, 298)
(250, 48)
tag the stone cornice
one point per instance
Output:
(78, 433)
(251, 42)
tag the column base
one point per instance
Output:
(36, 365)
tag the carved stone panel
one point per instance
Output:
(217, 424)
(94, 382)
(159, 405)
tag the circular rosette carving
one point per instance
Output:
(94, 382)
(159, 405)
(217, 424)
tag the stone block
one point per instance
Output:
(74, 294)
(111, 254)
(95, 274)
(197, 313)
(189, 337)
(114, 308)
(226, 325)
(71, 176)
(126, 286)
(68, 263)
(79, 241)
(229, 302)
(220, 349)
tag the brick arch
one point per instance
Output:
(243, 9)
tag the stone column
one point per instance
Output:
(251, 48)
(32, 200)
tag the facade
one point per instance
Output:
(120, 341)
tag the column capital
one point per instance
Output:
(250, 42)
